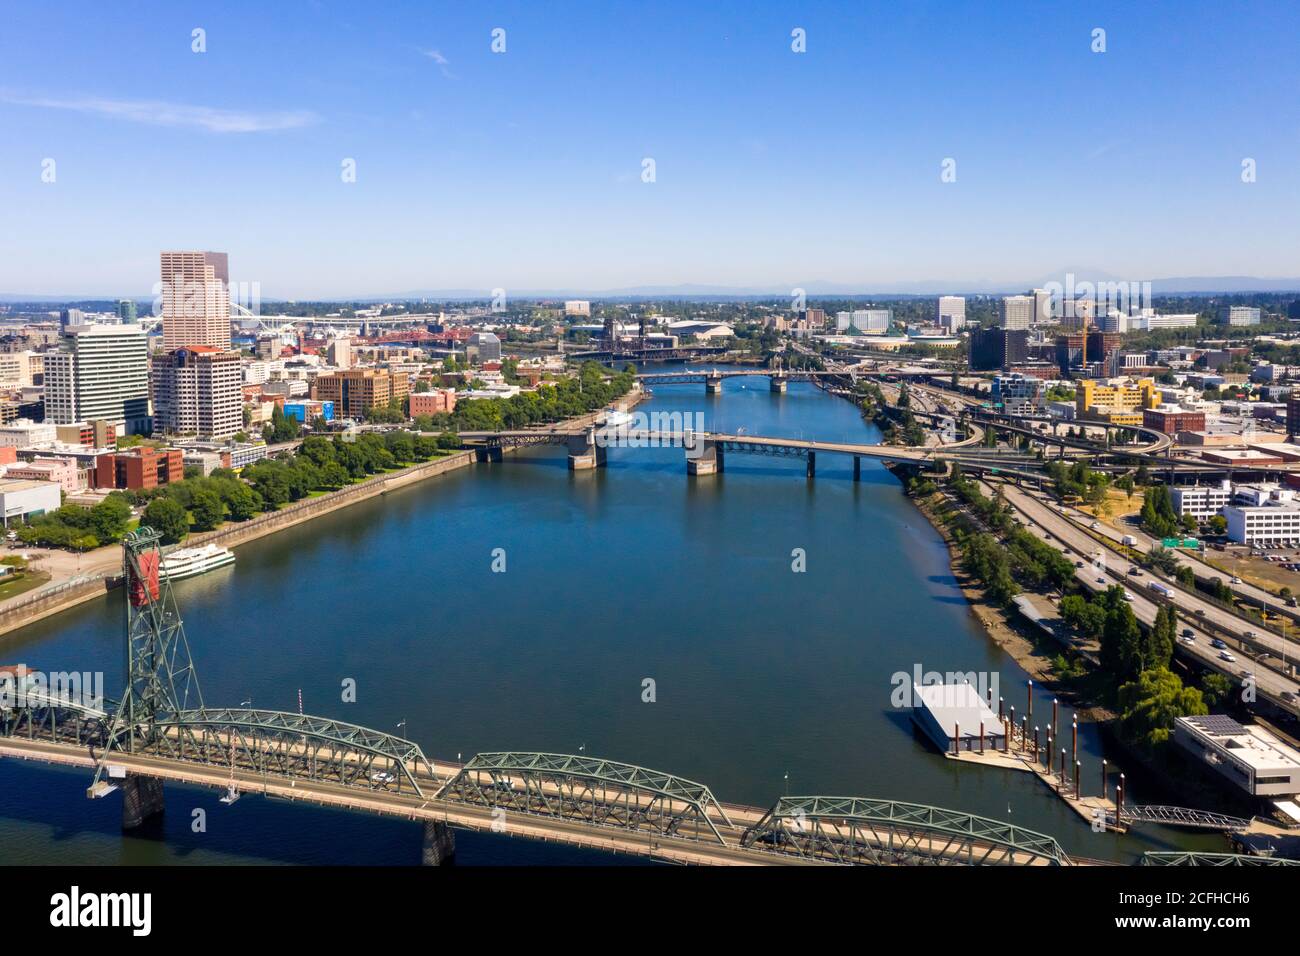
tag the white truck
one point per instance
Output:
(1129, 540)
(1159, 588)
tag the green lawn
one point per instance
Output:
(20, 581)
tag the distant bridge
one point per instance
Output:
(706, 451)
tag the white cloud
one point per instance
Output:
(160, 113)
(443, 63)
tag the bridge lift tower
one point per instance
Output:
(161, 681)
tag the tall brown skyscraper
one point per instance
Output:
(195, 299)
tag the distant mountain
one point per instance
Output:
(1181, 285)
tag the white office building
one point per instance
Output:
(196, 391)
(1042, 307)
(1273, 523)
(25, 433)
(100, 373)
(1148, 321)
(1201, 501)
(22, 499)
(1249, 757)
(867, 321)
(951, 312)
(1016, 312)
(1238, 315)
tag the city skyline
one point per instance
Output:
(523, 169)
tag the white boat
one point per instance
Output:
(187, 562)
(616, 418)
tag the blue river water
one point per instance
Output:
(766, 680)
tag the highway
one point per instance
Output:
(1205, 572)
(1081, 547)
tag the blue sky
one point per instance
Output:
(522, 170)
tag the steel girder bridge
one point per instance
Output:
(699, 376)
(855, 830)
(599, 792)
(1175, 858)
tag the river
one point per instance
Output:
(766, 680)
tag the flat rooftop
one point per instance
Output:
(957, 706)
(1236, 455)
(11, 485)
(1249, 743)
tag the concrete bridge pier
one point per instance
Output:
(857, 468)
(142, 800)
(778, 383)
(438, 847)
(490, 453)
(584, 452)
(712, 384)
(708, 460)
(812, 463)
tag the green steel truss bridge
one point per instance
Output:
(1174, 858)
(888, 832)
(162, 731)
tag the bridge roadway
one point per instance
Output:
(699, 375)
(697, 849)
(649, 438)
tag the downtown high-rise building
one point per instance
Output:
(195, 300)
(99, 373)
(1042, 307)
(1016, 312)
(197, 390)
(951, 312)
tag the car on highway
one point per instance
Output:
(1078, 564)
(1227, 656)
(1236, 580)
(383, 776)
(1218, 645)
(1288, 696)
(1185, 640)
(1187, 632)
(1136, 572)
(1101, 579)
(1128, 596)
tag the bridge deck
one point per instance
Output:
(678, 849)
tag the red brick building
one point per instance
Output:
(1171, 421)
(139, 468)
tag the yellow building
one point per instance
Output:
(1120, 404)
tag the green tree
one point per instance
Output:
(109, 518)
(1086, 617)
(207, 509)
(167, 516)
(1151, 702)
(241, 501)
(1215, 689)
(1121, 638)
(1160, 639)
